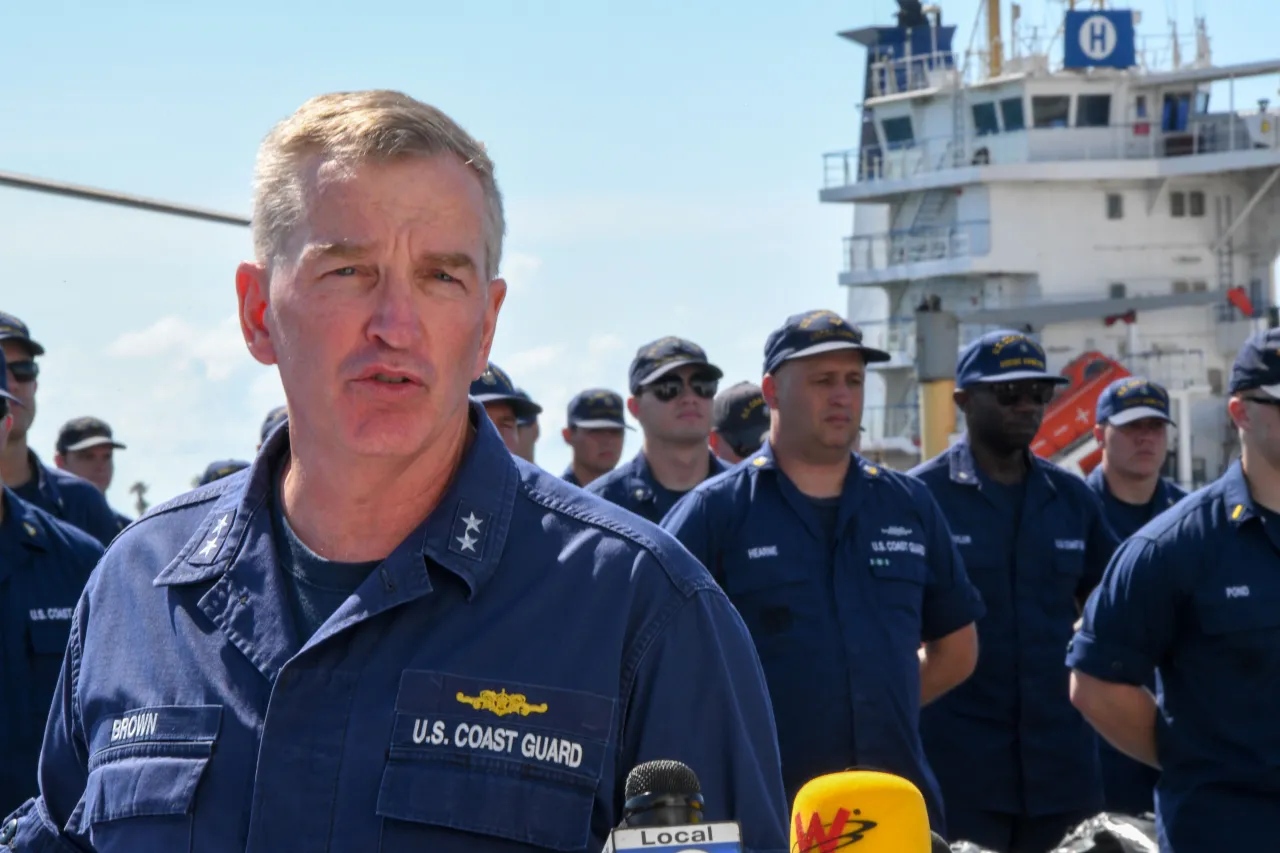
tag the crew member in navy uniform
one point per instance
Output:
(739, 422)
(529, 431)
(844, 571)
(1133, 431)
(594, 431)
(672, 386)
(1017, 764)
(390, 633)
(86, 447)
(44, 564)
(503, 404)
(274, 418)
(64, 496)
(215, 471)
(1194, 596)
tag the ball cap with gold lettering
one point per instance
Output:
(1132, 399)
(596, 408)
(13, 329)
(813, 333)
(739, 415)
(1257, 365)
(495, 386)
(1004, 356)
(657, 358)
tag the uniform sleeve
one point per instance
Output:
(699, 696)
(64, 761)
(1131, 618)
(951, 601)
(690, 522)
(1099, 546)
(101, 522)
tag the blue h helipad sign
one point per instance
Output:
(1099, 38)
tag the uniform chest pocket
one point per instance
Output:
(516, 762)
(900, 581)
(48, 645)
(145, 767)
(1245, 630)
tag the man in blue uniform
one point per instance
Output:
(215, 471)
(594, 431)
(389, 634)
(43, 566)
(1192, 597)
(739, 422)
(1133, 431)
(87, 448)
(844, 571)
(503, 404)
(529, 431)
(62, 495)
(672, 386)
(1017, 764)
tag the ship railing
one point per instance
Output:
(911, 73)
(869, 252)
(1173, 367)
(899, 420)
(1216, 133)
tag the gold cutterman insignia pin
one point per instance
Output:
(30, 528)
(502, 703)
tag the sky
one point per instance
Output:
(660, 163)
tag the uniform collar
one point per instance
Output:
(641, 480)
(1162, 498)
(1235, 491)
(465, 533)
(964, 470)
(44, 483)
(861, 472)
(18, 516)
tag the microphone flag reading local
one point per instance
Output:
(879, 812)
(663, 814)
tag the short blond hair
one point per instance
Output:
(355, 127)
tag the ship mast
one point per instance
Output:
(995, 48)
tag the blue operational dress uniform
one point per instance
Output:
(44, 565)
(594, 408)
(486, 687)
(1128, 785)
(1194, 596)
(1007, 744)
(632, 484)
(838, 595)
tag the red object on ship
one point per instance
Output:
(1068, 419)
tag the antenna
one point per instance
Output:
(995, 49)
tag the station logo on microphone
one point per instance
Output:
(692, 838)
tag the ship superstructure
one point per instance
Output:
(1097, 199)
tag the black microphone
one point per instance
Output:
(663, 813)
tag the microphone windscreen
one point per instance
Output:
(939, 843)
(880, 812)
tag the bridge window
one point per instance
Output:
(1050, 110)
(985, 122)
(1011, 112)
(1195, 201)
(1115, 206)
(897, 132)
(1177, 205)
(1093, 111)
(1117, 290)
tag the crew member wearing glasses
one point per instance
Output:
(64, 496)
(1017, 763)
(672, 386)
(841, 569)
(1192, 597)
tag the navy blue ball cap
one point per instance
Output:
(1257, 364)
(274, 418)
(740, 414)
(814, 333)
(1132, 399)
(4, 381)
(495, 386)
(658, 358)
(222, 468)
(83, 433)
(13, 329)
(1004, 356)
(527, 420)
(596, 408)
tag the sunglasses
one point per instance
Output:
(1011, 393)
(666, 390)
(1265, 401)
(24, 371)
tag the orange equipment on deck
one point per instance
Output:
(1068, 419)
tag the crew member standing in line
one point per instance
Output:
(594, 432)
(86, 448)
(739, 422)
(1192, 598)
(672, 386)
(503, 404)
(529, 430)
(844, 571)
(1017, 764)
(1132, 428)
(62, 495)
(389, 634)
(44, 564)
